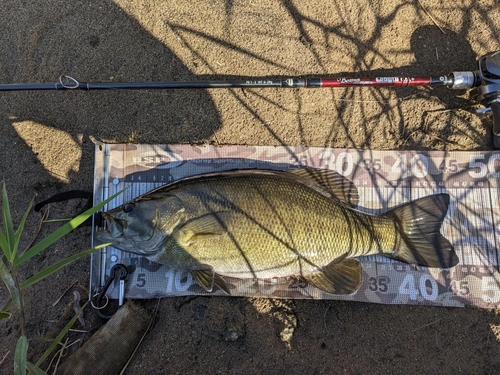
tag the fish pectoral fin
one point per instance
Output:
(208, 278)
(342, 277)
(204, 227)
(176, 207)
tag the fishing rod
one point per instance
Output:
(455, 80)
(485, 82)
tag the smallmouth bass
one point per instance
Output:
(266, 224)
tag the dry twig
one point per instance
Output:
(45, 215)
(64, 293)
(61, 353)
(427, 325)
(5, 356)
(432, 18)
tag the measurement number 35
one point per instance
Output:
(378, 284)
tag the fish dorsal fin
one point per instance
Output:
(329, 183)
(208, 278)
(342, 277)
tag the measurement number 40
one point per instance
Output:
(427, 287)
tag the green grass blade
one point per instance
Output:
(7, 304)
(4, 244)
(57, 266)
(57, 220)
(7, 222)
(60, 336)
(62, 231)
(9, 282)
(20, 356)
(34, 369)
(20, 229)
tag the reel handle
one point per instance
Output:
(495, 110)
(488, 91)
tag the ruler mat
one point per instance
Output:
(384, 179)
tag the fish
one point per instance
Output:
(301, 224)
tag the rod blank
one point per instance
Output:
(69, 83)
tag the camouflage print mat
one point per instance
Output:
(384, 178)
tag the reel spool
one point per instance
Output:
(488, 91)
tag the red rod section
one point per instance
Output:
(377, 81)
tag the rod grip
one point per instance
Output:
(495, 110)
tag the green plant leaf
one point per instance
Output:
(19, 232)
(62, 231)
(7, 304)
(9, 282)
(20, 356)
(4, 244)
(57, 266)
(60, 335)
(34, 369)
(7, 223)
(5, 315)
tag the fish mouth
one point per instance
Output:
(115, 227)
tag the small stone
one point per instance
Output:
(234, 330)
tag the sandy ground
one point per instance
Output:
(46, 148)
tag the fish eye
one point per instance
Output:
(128, 207)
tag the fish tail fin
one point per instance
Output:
(419, 223)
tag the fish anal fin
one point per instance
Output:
(208, 278)
(221, 283)
(330, 183)
(340, 278)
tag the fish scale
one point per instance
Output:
(283, 223)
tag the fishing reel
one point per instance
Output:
(487, 91)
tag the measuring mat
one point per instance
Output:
(384, 179)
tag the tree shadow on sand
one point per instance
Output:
(92, 43)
